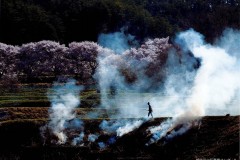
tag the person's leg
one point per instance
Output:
(148, 114)
(151, 114)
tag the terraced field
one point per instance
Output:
(31, 102)
(37, 96)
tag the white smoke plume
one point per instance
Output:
(64, 100)
(123, 78)
(200, 79)
(172, 86)
(121, 127)
(216, 83)
(118, 128)
(170, 128)
(159, 131)
(215, 87)
(128, 127)
(185, 89)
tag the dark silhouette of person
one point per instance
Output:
(150, 110)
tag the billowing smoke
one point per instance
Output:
(64, 100)
(199, 79)
(185, 81)
(216, 83)
(124, 78)
(215, 87)
(172, 80)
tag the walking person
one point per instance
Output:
(150, 110)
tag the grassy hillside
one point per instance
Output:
(217, 137)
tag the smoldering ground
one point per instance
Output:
(64, 101)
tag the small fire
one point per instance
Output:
(170, 129)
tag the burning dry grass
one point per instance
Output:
(217, 137)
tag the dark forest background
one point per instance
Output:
(68, 25)
(23, 21)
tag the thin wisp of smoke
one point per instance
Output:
(120, 127)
